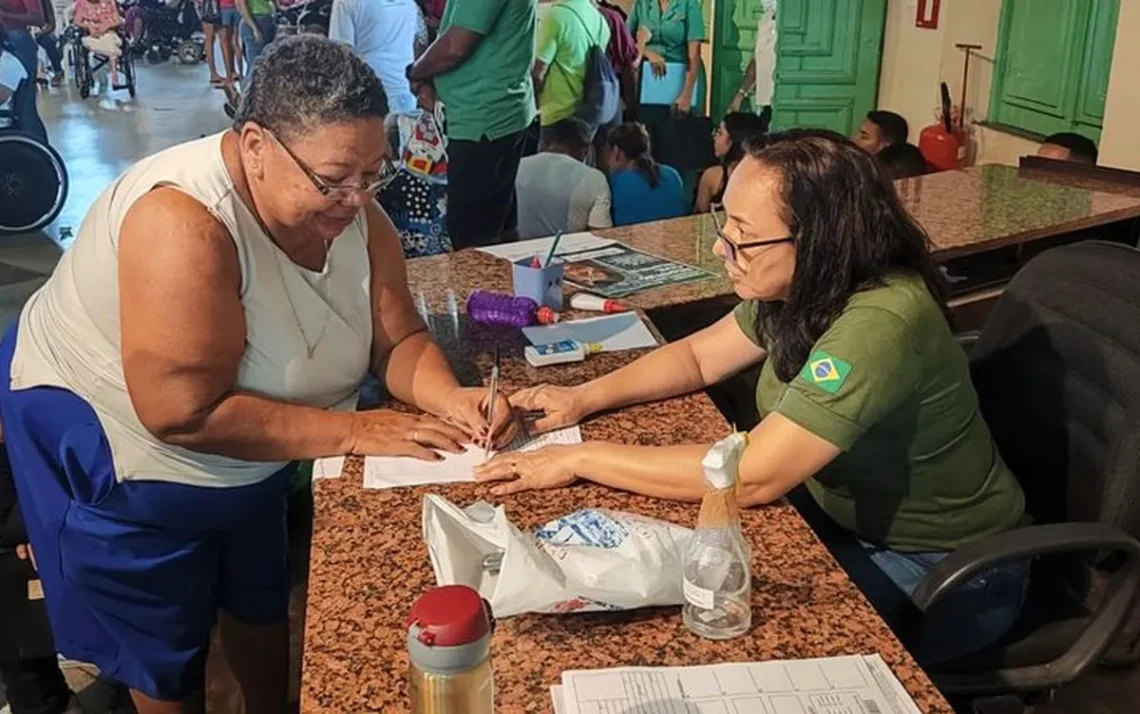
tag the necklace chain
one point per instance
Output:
(310, 348)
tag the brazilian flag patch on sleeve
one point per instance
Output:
(825, 371)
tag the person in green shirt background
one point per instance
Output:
(671, 31)
(568, 30)
(865, 395)
(479, 67)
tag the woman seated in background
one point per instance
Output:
(865, 395)
(642, 190)
(99, 18)
(415, 201)
(729, 138)
(208, 329)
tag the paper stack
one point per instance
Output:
(837, 685)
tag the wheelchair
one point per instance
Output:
(86, 63)
(33, 178)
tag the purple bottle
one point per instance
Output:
(500, 309)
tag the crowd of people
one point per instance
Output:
(221, 306)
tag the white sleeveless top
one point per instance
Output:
(69, 330)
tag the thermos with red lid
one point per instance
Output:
(449, 651)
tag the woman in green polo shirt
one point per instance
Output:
(865, 394)
(675, 30)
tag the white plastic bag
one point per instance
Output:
(589, 560)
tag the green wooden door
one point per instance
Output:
(735, 42)
(1097, 65)
(827, 63)
(1053, 63)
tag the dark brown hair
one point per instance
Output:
(850, 231)
(632, 139)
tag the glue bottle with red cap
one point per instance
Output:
(449, 652)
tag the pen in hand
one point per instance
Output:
(491, 398)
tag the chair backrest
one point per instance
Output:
(1057, 370)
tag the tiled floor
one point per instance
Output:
(98, 139)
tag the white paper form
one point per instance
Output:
(838, 685)
(623, 331)
(570, 243)
(393, 472)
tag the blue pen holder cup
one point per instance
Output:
(543, 285)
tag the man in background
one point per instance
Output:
(50, 43)
(383, 33)
(557, 191)
(480, 65)
(879, 130)
(1068, 146)
(568, 31)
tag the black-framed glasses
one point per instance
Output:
(340, 191)
(731, 247)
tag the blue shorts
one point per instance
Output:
(229, 17)
(134, 572)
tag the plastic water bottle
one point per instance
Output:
(449, 653)
(717, 573)
(511, 310)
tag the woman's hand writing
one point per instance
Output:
(383, 432)
(467, 409)
(562, 406)
(549, 467)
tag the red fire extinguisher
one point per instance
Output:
(938, 143)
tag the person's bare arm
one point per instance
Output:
(450, 49)
(710, 181)
(701, 359)
(746, 86)
(404, 356)
(780, 455)
(691, 70)
(538, 75)
(183, 334)
(247, 17)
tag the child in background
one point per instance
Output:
(99, 18)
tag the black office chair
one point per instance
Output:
(1057, 370)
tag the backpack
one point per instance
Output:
(601, 91)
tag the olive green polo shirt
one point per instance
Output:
(671, 31)
(491, 94)
(889, 385)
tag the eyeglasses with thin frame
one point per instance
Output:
(340, 191)
(731, 247)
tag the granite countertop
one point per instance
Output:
(369, 563)
(968, 211)
(986, 207)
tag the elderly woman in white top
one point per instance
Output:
(210, 325)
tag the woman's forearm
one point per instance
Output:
(663, 373)
(692, 69)
(670, 472)
(417, 373)
(250, 427)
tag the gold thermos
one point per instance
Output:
(449, 652)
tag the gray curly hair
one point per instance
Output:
(307, 81)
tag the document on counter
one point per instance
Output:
(570, 243)
(623, 331)
(394, 472)
(836, 685)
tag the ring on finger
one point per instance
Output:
(415, 435)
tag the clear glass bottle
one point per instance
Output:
(717, 573)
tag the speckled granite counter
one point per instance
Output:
(369, 563)
(964, 212)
